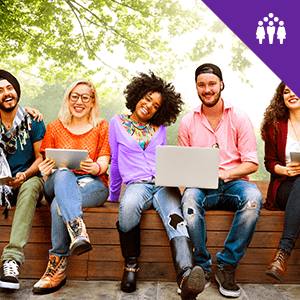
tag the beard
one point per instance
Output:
(11, 108)
(217, 97)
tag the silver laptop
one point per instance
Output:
(187, 167)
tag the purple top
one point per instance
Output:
(129, 162)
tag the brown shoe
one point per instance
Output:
(80, 242)
(54, 277)
(278, 266)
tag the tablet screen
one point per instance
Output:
(69, 158)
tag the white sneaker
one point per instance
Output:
(8, 275)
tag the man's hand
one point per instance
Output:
(20, 179)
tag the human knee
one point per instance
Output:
(191, 203)
(178, 224)
(62, 174)
(252, 200)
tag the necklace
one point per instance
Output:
(295, 134)
(6, 125)
(137, 124)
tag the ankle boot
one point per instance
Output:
(80, 242)
(278, 266)
(54, 277)
(130, 246)
(190, 278)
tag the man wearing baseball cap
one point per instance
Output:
(20, 140)
(217, 123)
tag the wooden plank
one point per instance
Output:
(148, 254)
(35, 269)
(114, 271)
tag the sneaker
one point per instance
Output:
(207, 277)
(192, 284)
(8, 275)
(225, 277)
(54, 277)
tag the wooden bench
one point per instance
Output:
(105, 261)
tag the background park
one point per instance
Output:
(48, 44)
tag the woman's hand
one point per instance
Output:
(89, 166)
(35, 113)
(293, 169)
(46, 167)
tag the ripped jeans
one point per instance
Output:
(142, 195)
(239, 196)
(68, 193)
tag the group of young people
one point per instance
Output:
(128, 144)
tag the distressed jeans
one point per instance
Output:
(239, 196)
(142, 195)
(68, 193)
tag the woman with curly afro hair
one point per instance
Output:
(133, 139)
(281, 132)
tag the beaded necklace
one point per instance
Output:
(141, 132)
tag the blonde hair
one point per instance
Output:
(66, 117)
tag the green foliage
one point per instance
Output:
(261, 173)
(58, 36)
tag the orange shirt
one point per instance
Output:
(95, 141)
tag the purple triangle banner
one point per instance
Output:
(270, 28)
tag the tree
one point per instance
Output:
(59, 37)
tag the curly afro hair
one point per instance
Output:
(171, 100)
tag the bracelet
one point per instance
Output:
(99, 168)
(24, 175)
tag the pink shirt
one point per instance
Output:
(234, 135)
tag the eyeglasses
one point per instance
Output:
(85, 98)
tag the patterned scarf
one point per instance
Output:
(18, 131)
(5, 191)
(8, 145)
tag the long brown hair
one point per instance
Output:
(275, 111)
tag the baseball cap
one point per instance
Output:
(214, 70)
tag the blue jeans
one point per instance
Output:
(68, 193)
(240, 196)
(142, 195)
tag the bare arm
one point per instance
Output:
(291, 169)
(240, 171)
(91, 167)
(21, 177)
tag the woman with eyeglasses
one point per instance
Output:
(281, 132)
(133, 138)
(77, 127)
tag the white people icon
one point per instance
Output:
(271, 29)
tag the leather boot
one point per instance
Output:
(80, 242)
(130, 246)
(190, 278)
(278, 266)
(54, 277)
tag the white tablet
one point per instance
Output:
(295, 156)
(69, 158)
